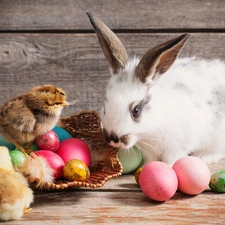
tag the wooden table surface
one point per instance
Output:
(120, 201)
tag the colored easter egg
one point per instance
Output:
(9, 145)
(193, 175)
(130, 159)
(74, 148)
(76, 170)
(33, 146)
(137, 174)
(217, 181)
(48, 141)
(17, 158)
(54, 160)
(62, 133)
(158, 181)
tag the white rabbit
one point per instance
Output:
(169, 107)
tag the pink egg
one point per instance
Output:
(74, 148)
(193, 175)
(54, 160)
(48, 141)
(158, 181)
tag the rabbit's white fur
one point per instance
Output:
(169, 107)
(185, 114)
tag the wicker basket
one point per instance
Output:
(86, 125)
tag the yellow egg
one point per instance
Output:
(76, 170)
(137, 174)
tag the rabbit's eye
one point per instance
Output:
(136, 112)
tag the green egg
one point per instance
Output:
(130, 159)
(217, 182)
(33, 146)
(17, 158)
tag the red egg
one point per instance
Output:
(193, 175)
(48, 141)
(74, 148)
(158, 181)
(54, 160)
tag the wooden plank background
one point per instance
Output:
(132, 14)
(53, 42)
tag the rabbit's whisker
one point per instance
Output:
(147, 155)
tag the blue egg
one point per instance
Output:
(9, 145)
(62, 133)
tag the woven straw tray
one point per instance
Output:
(105, 164)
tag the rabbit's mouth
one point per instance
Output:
(115, 140)
(124, 141)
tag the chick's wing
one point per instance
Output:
(19, 116)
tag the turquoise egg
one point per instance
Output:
(217, 181)
(9, 145)
(62, 133)
(130, 159)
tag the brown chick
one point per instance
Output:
(29, 115)
(15, 195)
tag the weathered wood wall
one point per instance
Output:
(53, 42)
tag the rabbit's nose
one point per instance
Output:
(115, 140)
(112, 137)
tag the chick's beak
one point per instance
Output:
(65, 103)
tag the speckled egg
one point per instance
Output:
(76, 170)
(217, 181)
(193, 175)
(158, 181)
(48, 141)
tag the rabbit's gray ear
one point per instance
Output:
(158, 60)
(111, 45)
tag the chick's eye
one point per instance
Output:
(57, 103)
(136, 112)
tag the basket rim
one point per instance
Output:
(98, 177)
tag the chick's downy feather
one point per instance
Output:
(15, 195)
(29, 115)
